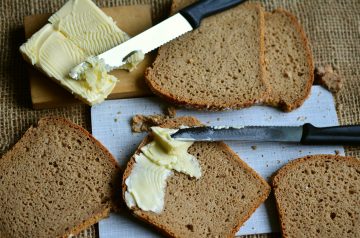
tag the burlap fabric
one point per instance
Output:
(333, 27)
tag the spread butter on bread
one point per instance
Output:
(216, 204)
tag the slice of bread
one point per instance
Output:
(288, 59)
(220, 65)
(55, 181)
(319, 196)
(217, 204)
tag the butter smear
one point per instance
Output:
(146, 183)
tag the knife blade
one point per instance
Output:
(186, 20)
(249, 133)
(305, 134)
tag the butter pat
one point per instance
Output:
(96, 79)
(147, 182)
(182, 161)
(171, 146)
(172, 153)
(158, 155)
(74, 33)
(133, 60)
(146, 185)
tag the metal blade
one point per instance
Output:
(145, 42)
(249, 133)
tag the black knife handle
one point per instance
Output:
(201, 9)
(336, 135)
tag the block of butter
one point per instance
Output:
(74, 33)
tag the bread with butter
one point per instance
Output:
(318, 196)
(56, 181)
(216, 204)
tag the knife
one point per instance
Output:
(186, 20)
(306, 134)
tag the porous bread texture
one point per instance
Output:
(217, 204)
(318, 196)
(288, 60)
(218, 66)
(55, 181)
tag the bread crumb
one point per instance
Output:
(287, 74)
(170, 111)
(328, 78)
(301, 118)
(190, 61)
(142, 123)
(337, 152)
(253, 147)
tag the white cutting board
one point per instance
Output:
(111, 125)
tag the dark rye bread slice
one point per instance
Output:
(288, 60)
(55, 181)
(218, 66)
(217, 204)
(319, 196)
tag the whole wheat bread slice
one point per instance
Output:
(288, 59)
(319, 196)
(217, 204)
(55, 181)
(220, 65)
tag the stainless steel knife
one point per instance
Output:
(306, 134)
(186, 20)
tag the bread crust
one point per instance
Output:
(164, 229)
(225, 105)
(67, 123)
(276, 179)
(282, 104)
(91, 221)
